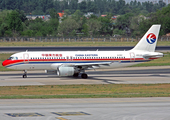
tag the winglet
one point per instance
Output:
(149, 40)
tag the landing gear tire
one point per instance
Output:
(84, 75)
(24, 76)
(76, 75)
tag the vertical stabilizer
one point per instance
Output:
(149, 40)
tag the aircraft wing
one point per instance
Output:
(86, 66)
(92, 65)
(89, 64)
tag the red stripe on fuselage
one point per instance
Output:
(10, 62)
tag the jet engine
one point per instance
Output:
(62, 71)
(65, 71)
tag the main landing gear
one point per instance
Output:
(25, 74)
(83, 75)
(76, 75)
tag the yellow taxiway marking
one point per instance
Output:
(70, 113)
(60, 118)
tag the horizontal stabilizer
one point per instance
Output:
(156, 55)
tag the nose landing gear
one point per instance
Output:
(25, 74)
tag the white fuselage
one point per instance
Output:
(50, 60)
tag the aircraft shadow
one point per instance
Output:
(89, 77)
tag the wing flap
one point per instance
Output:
(93, 64)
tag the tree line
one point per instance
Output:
(129, 23)
(41, 7)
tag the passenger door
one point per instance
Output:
(132, 57)
(26, 58)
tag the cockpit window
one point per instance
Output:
(10, 58)
(13, 58)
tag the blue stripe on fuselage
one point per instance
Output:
(72, 62)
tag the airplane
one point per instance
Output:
(74, 63)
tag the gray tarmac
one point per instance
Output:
(86, 109)
(130, 75)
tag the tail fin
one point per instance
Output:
(149, 40)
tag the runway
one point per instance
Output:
(86, 109)
(130, 75)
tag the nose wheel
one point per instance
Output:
(25, 74)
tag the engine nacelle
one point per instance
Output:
(51, 71)
(65, 71)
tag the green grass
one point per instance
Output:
(85, 91)
(67, 44)
(96, 43)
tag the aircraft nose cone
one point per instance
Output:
(4, 63)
